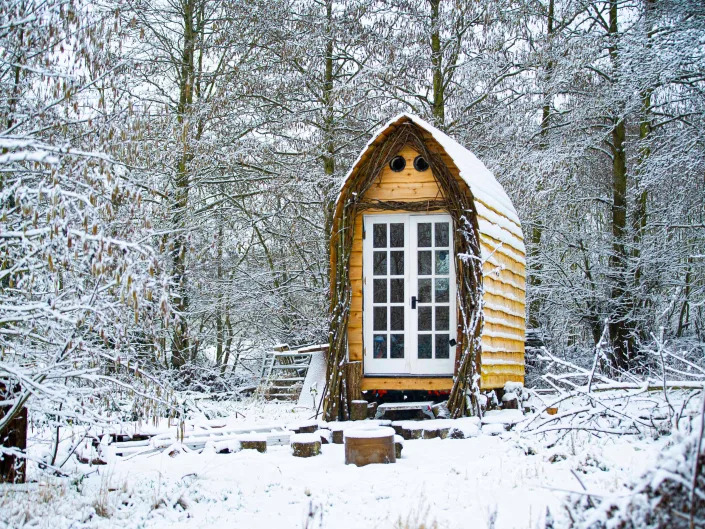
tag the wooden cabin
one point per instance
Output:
(427, 270)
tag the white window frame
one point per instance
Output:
(410, 365)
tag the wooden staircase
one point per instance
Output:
(284, 372)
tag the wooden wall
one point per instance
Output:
(504, 283)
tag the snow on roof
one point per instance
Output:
(482, 183)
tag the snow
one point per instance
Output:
(468, 426)
(481, 181)
(514, 474)
(305, 438)
(369, 432)
(249, 489)
(312, 390)
(503, 417)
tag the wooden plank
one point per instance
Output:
(500, 317)
(356, 262)
(498, 288)
(406, 383)
(355, 319)
(355, 351)
(498, 381)
(406, 191)
(408, 175)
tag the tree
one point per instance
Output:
(79, 281)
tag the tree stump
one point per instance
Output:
(336, 433)
(358, 410)
(308, 427)
(353, 377)
(254, 442)
(364, 446)
(12, 468)
(410, 431)
(398, 445)
(372, 410)
(305, 445)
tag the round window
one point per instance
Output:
(397, 164)
(420, 164)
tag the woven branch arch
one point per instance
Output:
(459, 203)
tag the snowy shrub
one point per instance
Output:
(671, 494)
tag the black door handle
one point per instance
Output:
(413, 302)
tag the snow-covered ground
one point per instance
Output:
(502, 481)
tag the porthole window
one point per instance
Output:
(397, 164)
(420, 164)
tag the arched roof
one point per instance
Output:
(497, 216)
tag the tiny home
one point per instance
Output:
(427, 272)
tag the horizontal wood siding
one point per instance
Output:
(504, 281)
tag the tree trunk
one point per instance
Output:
(180, 345)
(537, 229)
(438, 106)
(619, 326)
(12, 467)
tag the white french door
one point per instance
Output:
(409, 310)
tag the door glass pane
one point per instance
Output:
(441, 290)
(396, 261)
(380, 291)
(425, 263)
(441, 234)
(380, 263)
(441, 318)
(379, 346)
(441, 262)
(442, 346)
(425, 346)
(380, 319)
(424, 318)
(397, 319)
(396, 293)
(379, 235)
(396, 235)
(424, 239)
(396, 346)
(424, 291)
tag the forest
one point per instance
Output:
(169, 171)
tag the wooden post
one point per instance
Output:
(358, 410)
(12, 468)
(353, 375)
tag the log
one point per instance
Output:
(13, 468)
(305, 445)
(358, 410)
(365, 446)
(308, 427)
(372, 410)
(430, 433)
(412, 431)
(254, 442)
(353, 375)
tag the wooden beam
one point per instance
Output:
(407, 383)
